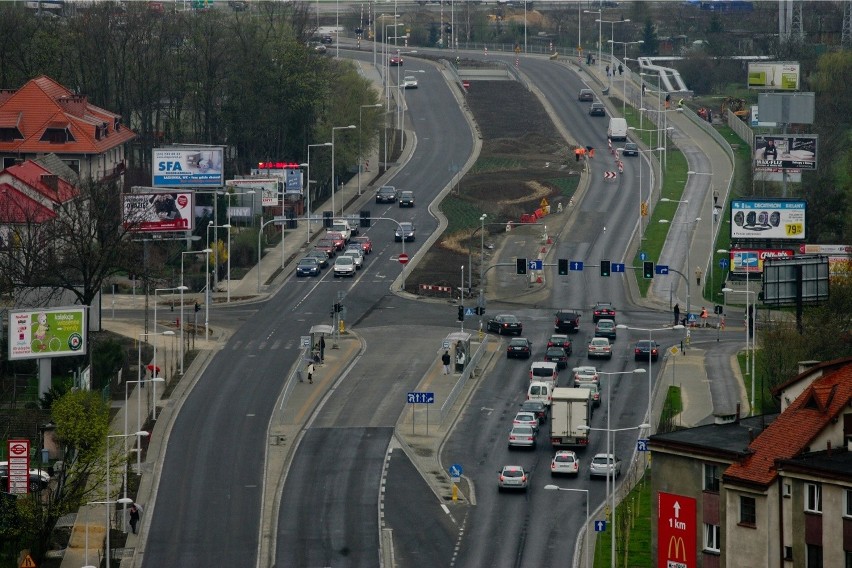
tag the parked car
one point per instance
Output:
(522, 437)
(556, 354)
(600, 347)
(597, 109)
(605, 464)
(567, 321)
(344, 266)
(644, 349)
(409, 82)
(603, 310)
(586, 373)
(630, 149)
(519, 348)
(404, 232)
(561, 341)
(386, 194)
(536, 407)
(512, 477)
(565, 462)
(586, 95)
(406, 199)
(505, 323)
(308, 266)
(526, 419)
(365, 242)
(605, 328)
(321, 256)
(327, 246)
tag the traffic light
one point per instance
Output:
(338, 307)
(521, 265)
(605, 268)
(365, 218)
(648, 270)
(327, 219)
(461, 313)
(291, 220)
(563, 266)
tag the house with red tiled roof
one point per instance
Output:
(43, 117)
(770, 490)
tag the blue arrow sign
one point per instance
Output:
(642, 445)
(661, 269)
(616, 267)
(600, 526)
(456, 470)
(723, 263)
(575, 265)
(536, 264)
(421, 398)
(643, 255)
(469, 312)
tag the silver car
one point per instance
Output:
(604, 464)
(522, 437)
(526, 419)
(513, 477)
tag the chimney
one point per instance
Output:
(51, 181)
(828, 447)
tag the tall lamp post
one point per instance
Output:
(333, 180)
(108, 520)
(688, 242)
(206, 252)
(249, 192)
(600, 32)
(360, 156)
(181, 288)
(612, 37)
(650, 187)
(123, 501)
(749, 316)
(711, 222)
(586, 530)
(623, 77)
(401, 97)
(309, 185)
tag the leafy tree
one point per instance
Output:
(652, 42)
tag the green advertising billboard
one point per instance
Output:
(53, 332)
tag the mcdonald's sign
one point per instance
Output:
(676, 531)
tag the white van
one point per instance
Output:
(617, 129)
(540, 391)
(545, 372)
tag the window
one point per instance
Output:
(814, 556)
(847, 503)
(711, 477)
(748, 511)
(813, 498)
(712, 536)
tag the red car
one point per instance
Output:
(603, 310)
(365, 242)
(327, 246)
(395, 61)
(337, 238)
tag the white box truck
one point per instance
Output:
(570, 408)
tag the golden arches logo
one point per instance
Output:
(679, 546)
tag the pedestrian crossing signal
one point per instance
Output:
(648, 270)
(521, 265)
(563, 266)
(605, 268)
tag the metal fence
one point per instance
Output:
(460, 384)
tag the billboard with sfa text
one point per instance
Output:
(768, 219)
(187, 167)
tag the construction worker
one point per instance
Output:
(704, 316)
(577, 153)
(591, 152)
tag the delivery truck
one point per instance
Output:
(570, 416)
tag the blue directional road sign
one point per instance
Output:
(723, 263)
(600, 526)
(421, 398)
(617, 267)
(535, 264)
(469, 312)
(575, 265)
(643, 255)
(661, 269)
(642, 445)
(456, 470)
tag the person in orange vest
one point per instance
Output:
(591, 152)
(577, 154)
(703, 316)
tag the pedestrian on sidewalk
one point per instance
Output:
(698, 274)
(677, 314)
(607, 70)
(715, 215)
(310, 370)
(643, 89)
(715, 197)
(445, 359)
(134, 517)
(620, 69)
(322, 349)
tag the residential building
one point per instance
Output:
(773, 490)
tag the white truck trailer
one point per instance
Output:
(570, 409)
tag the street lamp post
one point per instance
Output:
(123, 501)
(360, 156)
(600, 32)
(586, 530)
(612, 37)
(138, 434)
(309, 186)
(249, 192)
(206, 252)
(711, 222)
(153, 379)
(753, 356)
(623, 77)
(333, 181)
(688, 241)
(650, 187)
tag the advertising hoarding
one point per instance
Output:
(773, 76)
(839, 257)
(158, 211)
(785, 152)
(768, 219)
(187, 167)
(289, 173)
(677, 526)
(266, 186)
(751, 260)
(54, 332)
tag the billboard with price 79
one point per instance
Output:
(768, 219)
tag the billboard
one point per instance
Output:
(187, 167)
(773, 76)
(785, 152)
(54, 332)
(158, 211)
(267, 187)
(839, 257)
(676, 531)
(288, 172)
(751, 260)
(795, 281)
(768, 219)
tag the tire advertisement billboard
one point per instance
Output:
(159, 211)
(783, 152)
(768, 219)
(54, 332)
(187, 167)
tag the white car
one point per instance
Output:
(341, 226)
(526, 419)
(344, 266)
(512, 477)
(357, 257)
(585, 374)
(409, 82)
(603, 465)
(565, 462)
